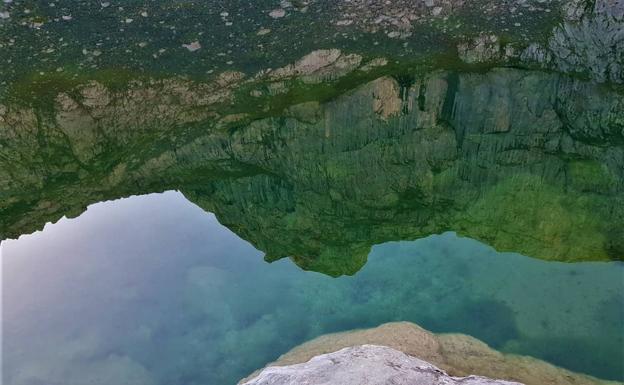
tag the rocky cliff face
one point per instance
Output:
(526, 161)
(367, 364)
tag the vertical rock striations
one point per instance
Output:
(526, 161)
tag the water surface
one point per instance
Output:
(455, 164)
(153, 290)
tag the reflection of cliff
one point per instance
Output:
(525, 161)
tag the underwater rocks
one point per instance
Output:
(397, 18)
(483, 49)
(578, 36)
(585, 35)
(319, 66)
(456, 354)
(366, 364)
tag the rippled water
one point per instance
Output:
(153, 290)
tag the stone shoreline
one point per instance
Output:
(366, 364)
(457, 354)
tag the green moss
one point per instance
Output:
(551, 222)
(590, 176)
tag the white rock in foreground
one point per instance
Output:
(365, 364)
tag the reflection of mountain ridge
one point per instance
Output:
(525, 161)
(485, 155)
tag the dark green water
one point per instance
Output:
(153, 290)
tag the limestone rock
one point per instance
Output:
(456, 354)
(95, 95)
(366, 364)
(574, 10)
(319, 66)
(277, 13)
(193, 46)
(375, 63)
(484, 48)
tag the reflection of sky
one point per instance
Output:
(112, 248)
(153, 290)
(85, 270)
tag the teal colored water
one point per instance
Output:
(153, 290)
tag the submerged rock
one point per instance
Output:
(277, 13)
(318, 66)
(366, 364)
(484, 48)
(194, 46)
(457, 354)
(375, 63)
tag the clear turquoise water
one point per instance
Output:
(152, 290)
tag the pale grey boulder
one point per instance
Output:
(365, 365)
